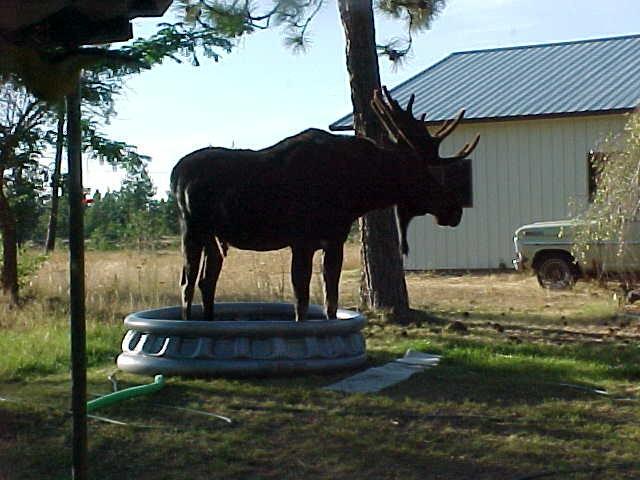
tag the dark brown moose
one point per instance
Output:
(305, 192)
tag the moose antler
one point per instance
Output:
(398, 122)
(449, 126)
(401, 124)
(380, 109)
(466, 150)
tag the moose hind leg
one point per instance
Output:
(191, 251)
(301, 268)
(211, 266)
(331, 268)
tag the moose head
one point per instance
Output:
(442, 185)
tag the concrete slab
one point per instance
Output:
(375, 379)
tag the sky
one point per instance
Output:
(263, 92)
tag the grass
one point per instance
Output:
(513, 396)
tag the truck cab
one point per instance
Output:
(546, 249)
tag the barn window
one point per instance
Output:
(595, 162)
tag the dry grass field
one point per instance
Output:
(118, 282)
(532, 383)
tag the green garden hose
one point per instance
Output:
(131, 392)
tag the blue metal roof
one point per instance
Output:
(537, 80)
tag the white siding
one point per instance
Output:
(523, 171)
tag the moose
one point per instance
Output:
(305, 192)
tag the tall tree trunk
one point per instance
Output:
(17, 181)
(52, 228)
(383, 284)
(9, 278)
(77, 313)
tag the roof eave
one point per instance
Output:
(541, 116)
(538, 116)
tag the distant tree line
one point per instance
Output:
(33, 206)
(128, 217)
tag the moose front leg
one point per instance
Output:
(331, 268)
(301, 268)
(211, 266)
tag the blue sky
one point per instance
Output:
(262, 92)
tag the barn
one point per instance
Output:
(539, 110)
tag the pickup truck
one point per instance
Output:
(546, 248)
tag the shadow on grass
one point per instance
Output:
(34, 444)
(434, 421)
(468, 372)
(450, 421)
(501, 383)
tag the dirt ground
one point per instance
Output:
(514, 304)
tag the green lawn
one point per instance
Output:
(518, 394)
(493, 408)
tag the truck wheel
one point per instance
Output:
(556, 273)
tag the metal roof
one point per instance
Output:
(538, 80)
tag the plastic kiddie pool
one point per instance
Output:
(244, 339)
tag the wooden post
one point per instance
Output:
(77, 288)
